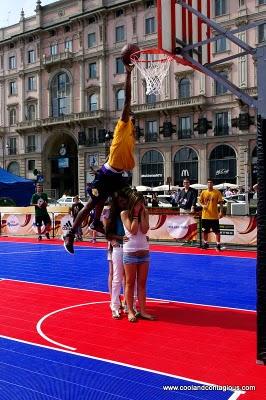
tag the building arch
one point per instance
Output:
(186, 165)
(223, 164)
(152, 168)
(14, 168)
(60, 168)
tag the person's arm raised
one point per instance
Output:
(127, 103)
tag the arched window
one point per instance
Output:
(222, 164)
(152, 169)
(31, 112)
(14, 168)
(60, 95)
(120, 98)
(12, 116)
(184, 88)
(185, 166)
(93, 102)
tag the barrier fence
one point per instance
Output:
(165, 225)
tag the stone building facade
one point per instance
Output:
(61, 93)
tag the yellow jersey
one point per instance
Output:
(211, 199)
(123, 146)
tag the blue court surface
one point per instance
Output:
(30, 370)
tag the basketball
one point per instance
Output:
(126, 52)
(41, 203)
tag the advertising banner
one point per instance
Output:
(239, 230)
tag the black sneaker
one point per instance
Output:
(205, 246)
(47, 235)
(69, 242)
(218, 247)
(40, 237)
(97, 226)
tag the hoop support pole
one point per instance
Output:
(218, 28)
(220, 36)
(229, 85)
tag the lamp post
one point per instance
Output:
(107, 142)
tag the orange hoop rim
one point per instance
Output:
(135, 59)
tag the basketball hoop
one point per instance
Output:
(153, 65)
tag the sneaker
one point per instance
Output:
(47, 235)
(218, 247)
(40, 237)
(115, 314)
(97, 225)
(69, 242)
(205, 246)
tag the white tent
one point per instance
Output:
(225, 185)
(198, 186)
(143, 188)
(163, 188)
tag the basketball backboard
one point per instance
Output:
(178, 27)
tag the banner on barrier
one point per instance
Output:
(234, 230)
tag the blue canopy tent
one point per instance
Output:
(16, 188)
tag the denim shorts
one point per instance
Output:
(129, 259)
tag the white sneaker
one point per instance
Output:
(115, 314)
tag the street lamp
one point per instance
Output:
(107, 142)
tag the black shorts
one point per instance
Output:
(105, 184)
(210, 224)
(45, 219)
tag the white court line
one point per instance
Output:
(40, 322)
(235, 394)
(83, 248)
(150, 298)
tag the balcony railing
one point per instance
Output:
(55, 58)
(221, 130)
(62, 119)
(11, 151)
(91, 143)
(30, 149)
(169, 104)
(151, 137)
(184, 133)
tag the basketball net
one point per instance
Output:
(154, 67)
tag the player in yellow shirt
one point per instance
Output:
(209, 200)
(109, 178)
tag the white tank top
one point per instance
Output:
(135, 242)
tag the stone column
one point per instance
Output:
(242, 65)
(203, 166)
(22, 97)
(168, 165)
(81, 91)
(102, 84)
(39, 95)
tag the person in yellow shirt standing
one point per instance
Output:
(209, 200)
(109, 178)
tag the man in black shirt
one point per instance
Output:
(187, 198)
(40, 201)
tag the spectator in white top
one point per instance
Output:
(228, 192)
(136, 254)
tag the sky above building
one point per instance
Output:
(11, 9)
